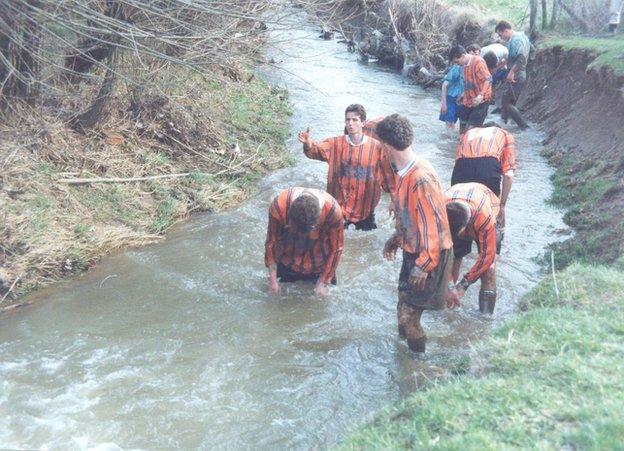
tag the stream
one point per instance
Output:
(178, 345)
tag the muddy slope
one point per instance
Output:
(582, 111)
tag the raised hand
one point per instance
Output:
(304, 137)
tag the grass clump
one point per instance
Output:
(587, 189)
(513, 11)
(609, 51)
(553, 379)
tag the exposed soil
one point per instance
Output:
(582, 111)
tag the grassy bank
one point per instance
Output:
(609, 51)
(550, 379)
(224, 129)
(579, 187)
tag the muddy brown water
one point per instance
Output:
(178, 346)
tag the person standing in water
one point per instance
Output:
(358, 169)
(422, 232)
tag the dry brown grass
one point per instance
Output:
(204, 126)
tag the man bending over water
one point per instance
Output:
(305, 238)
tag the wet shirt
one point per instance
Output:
(519, 48)
(455, 81)
(315, 252)
(477, 80)
(484, 207)
(489, 142)
(421, 222)
(356, 173)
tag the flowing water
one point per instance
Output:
(177, 345)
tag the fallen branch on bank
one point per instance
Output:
(82, 181)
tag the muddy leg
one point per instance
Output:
(506, 101)
(400, 318)
(487, 294)
(514, 114)
(414, 332)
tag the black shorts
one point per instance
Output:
(474, 116)
(285, 275)
(433, 297)
(365, 224)
(463, 246)
(484, 170)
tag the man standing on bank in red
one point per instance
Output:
(358, 169)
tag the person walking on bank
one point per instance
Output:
(472, 210)
(422, 232)
(358, 169)
(477, 87)
(487, 155)
(519, 48)
(305, 238)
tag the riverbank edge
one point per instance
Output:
(230, 131)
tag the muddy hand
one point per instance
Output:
(390, 248)
(304, 137)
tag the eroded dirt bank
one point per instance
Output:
(582, 109)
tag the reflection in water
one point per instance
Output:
(183, 348)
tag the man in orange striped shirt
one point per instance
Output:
(485, 155)
(305, 238)
(358, 169)
(422, 231)
(477, 87)
(472, 210)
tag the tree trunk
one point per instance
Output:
(533, 17)
(95, 112)
(554, 14)
(544, 15)
(19, 49)
(580, 22)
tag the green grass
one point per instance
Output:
(514, 11)
(610, 51)
(580, 186)
(553, 379)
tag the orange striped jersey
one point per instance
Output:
(484, 207)
(477, 80)
(356, 173)
(369, 127)
(489, 142)
(421, 221)
(315, 252)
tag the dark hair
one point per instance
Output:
(491, 60)
(502, 26)
(458, 218)
(396, 131)
(473, 48)
(305, 211)
(356, 108)
(456, 51)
